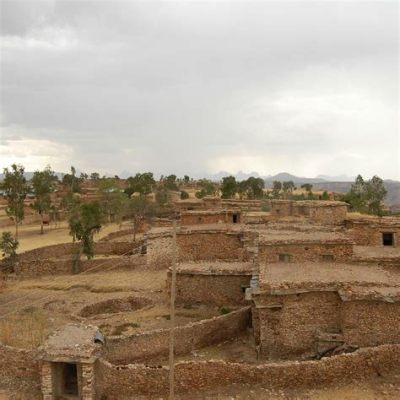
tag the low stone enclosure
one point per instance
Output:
(58, 259)
(101, 379)
(111, 306)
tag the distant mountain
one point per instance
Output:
(338, 178)
(285, 176)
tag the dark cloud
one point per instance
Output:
(310, 87)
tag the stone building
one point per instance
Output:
(68, 360)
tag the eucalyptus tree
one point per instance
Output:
(43, 183)
(15, 188)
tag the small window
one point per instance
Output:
(235, 218)
(388, 239)
(328, 257)
(284, 258)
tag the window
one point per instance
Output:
(388, 239)
(328, 257)
(235, 218)
(284, 258)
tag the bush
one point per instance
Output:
(184, 195)
(224, 310)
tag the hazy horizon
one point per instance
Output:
(201, 87)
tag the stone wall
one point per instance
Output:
(330, 215)
(144, 346)
(19, 369)
(294, 325)
(320, 212)
(310, 252)
(210, 245)
(70, 249)
(193, 376)
(212, 217)
(58, 259)
(288, 324)
(212, 289)
(159, 251)
(64, 266)
(370, 234)
(370, 323)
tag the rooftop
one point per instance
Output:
(215, 268)
(73, 341)
(354, 279)
(312, 236)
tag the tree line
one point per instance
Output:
(115, 203)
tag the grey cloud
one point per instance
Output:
(174, 86)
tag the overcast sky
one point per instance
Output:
(193, 87)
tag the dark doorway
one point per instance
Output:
(70, 378)
(235, 218)
(388, 239)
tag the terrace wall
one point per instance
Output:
(159, 251)
(365, 234)
(218, 290)
(210, 245)
(70, 249)
(290, 326)
(19, 369)
(144, 346)
(310, 252)
(124, 382)
(64, 266)
(203, 218)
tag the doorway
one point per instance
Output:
(70, 379)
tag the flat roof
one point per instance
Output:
(310, 203)
(215, 268)
(320, 276)
(73, 341)
(311, 236)
(376, 252)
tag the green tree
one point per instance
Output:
(94, 176)
(112, 199)
(276, 189)
(14, 185)
(287, 188)
(207, 188)
(367, 196)
(85, 220)
(139, 209)
(375, 195)
(308, 188)
(43, 183)
(72, 181)
(325, 195)
(186, 179)
(229, 187)
(140, 183)
(184, 195)
(8, 247)
(170, 182)
(252, 188)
